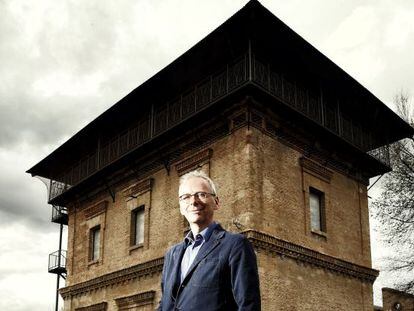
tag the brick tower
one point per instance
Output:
(291, 141)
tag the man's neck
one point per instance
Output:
(196, 229)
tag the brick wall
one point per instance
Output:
(263, 186)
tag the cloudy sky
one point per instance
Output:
(65, 62)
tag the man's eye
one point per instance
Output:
(202, 195)
(185, 196)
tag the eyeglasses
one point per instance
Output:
(200, 195)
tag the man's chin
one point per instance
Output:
(195, 220)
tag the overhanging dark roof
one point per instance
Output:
(251, 28)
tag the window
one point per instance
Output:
(137, 226)
(94, 242)
(317, 211)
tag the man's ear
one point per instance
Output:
(217, 201)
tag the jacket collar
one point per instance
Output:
(205, 233)
(210, 244)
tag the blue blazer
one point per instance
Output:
(223, 276)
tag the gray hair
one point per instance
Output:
(199, 174)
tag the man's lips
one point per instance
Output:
(196, 210)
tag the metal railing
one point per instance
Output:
(382, 154)
(57, 262)
(160, 120)
(59, 214)
(316, 104)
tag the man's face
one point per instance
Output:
(198, 211)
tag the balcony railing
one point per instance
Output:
(59, 215)
(57, 262)
(315, 103)
(209, 90)
(382, 154)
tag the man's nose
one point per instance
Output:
(194, 199)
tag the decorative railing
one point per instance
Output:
(313, 103)
(318, 106)
(160, 120)
(57, 187)
(382, 154)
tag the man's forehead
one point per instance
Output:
(194, 182)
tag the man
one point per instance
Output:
(212, 269)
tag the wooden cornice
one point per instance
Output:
(262, 241)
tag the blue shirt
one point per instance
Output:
(193, 246)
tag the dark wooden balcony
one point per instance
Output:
(314, 104)
(59, 215)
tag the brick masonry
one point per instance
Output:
(263, 186)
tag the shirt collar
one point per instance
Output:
(205, 233)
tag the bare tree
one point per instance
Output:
(394, 208)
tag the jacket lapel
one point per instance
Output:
(206, 249)
(176, 269)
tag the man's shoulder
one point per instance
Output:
(236, 244)
(233, 237)
(174, 248)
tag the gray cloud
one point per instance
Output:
(69, 66)
(20, 202)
